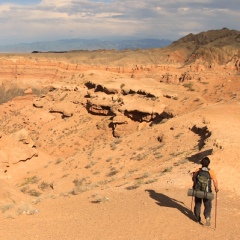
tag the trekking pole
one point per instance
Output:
(192, 203)
(216, 211)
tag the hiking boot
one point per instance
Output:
(208, 221)
(198, 220)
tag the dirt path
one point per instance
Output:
(145, 213)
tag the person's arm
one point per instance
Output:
(215, 182)
(194, 175)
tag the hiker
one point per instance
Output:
(211, 177)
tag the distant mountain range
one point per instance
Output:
(84, 44)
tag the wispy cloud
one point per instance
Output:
(57, 19)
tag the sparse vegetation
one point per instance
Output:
(43, 185)
(79, 182)
(112, 172)
(189, 86)
(26, 208)
(92, 163)
(6, 207)
(31, 192)
(99, 199)
(30, 180)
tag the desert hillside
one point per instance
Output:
(101, 144)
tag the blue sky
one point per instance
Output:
(46, 20)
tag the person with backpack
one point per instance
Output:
(202, 181)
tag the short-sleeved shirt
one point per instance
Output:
(212, 176)
(211, 172)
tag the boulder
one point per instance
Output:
(66, 109)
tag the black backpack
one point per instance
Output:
(203, 180)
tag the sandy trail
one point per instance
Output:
(145, 213)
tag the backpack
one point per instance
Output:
(203, 180)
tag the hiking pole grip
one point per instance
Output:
(216, 211)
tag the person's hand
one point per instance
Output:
(216, 190)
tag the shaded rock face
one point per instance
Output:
(99, 109)
(140, 116)
(117, 102)
(101, 88)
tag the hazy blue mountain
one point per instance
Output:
(85, 44)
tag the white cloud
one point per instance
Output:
(171, 19)
(57, 3)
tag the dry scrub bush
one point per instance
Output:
(30, 180)
(113, 172)
(26, 208)
(189, 86)
(90, 164)
(31, 192)
(6, 207)
(99, 199)
(43, 185)
(7, 95)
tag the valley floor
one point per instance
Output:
(148, 213)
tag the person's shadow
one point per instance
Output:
(165, 201)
